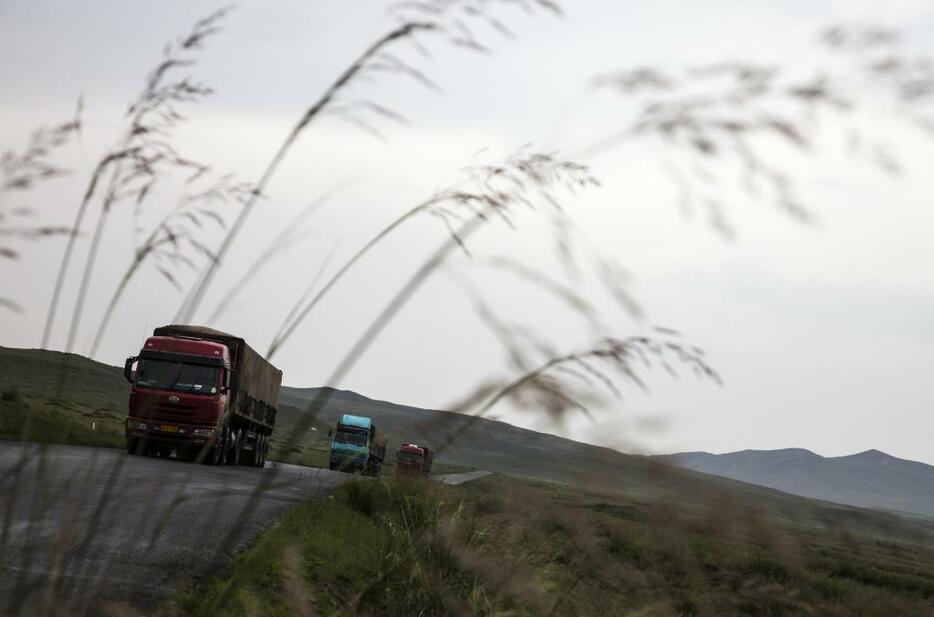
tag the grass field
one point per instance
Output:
(66, 400)
(36, 420)
(504, 546)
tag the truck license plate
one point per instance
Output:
(168, 428)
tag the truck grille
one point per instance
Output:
(169, 412)
(170, 409)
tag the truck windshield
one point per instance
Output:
(349, 437)
(410, 456)
(166, 375)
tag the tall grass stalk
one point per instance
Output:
(142, 155)
(24, 171)
(721, 121)
(70, 245)
(448, 18)
(284, 240)
(309, 290)
(538, 388)
(190, 306)
(171, 234)
(455, 203)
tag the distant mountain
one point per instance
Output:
(870, 479)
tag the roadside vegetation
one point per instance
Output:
(505, 546)
(90, 411)
(30, 420)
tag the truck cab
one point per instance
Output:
(354, 447)
(414, 459)
(178, 394)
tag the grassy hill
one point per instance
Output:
(476, 443)
(56, 397)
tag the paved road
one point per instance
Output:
(84, 528)
(460, 478)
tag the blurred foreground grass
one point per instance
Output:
(503, 546)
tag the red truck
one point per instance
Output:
(414, 459)
(204, 394)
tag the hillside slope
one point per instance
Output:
(63, 394)
(870, 479)
(85, 388)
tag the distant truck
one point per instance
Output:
(414, 459)
(356, 447)
(203, 393)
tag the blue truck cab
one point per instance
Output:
(355, 447)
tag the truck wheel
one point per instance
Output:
(215, 454)
(248, 458)
(260, 456)
(235, 447)
(131, 446)
(263, 443)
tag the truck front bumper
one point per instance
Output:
(350, 464)
(169, 433)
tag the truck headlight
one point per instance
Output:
(203, 432)
(136, 426)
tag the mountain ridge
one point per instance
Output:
(870, 479)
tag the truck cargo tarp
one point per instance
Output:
(258, 378)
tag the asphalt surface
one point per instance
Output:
(90, 531)
(460, 478)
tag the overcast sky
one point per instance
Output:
(822, 333)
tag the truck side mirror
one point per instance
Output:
(128, 368)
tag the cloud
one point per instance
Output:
(889, 12)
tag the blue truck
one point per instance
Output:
(356, 446)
